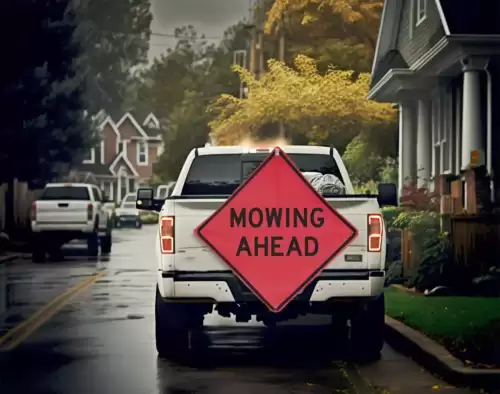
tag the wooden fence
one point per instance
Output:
(22, 198)
(474, 238)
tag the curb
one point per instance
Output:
(435, 358)
(7, 259)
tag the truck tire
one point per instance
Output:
(106, 243)
(173, 323)
(93, 245)
(55, 252)
(38, 253)
(367, 330)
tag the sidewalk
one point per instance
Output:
(10, 256)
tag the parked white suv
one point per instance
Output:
(68, 211)
(349, 289)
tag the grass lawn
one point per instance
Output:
(468, 326)
(441, 316)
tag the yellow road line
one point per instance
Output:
(30, 325)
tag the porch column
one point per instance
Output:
(407, 140)
(424, 143)
(472, 124)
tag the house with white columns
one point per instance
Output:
(439, 61)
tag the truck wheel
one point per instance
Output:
(367, 331)
(93, 245)
(55, 252)
(106, 243)
(173, 322)
(138, 224)
(38, 254)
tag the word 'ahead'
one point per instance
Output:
(277, 218)
(276, 232)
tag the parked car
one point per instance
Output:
(127, 215)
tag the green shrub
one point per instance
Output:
(149, 218)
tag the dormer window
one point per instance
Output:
(421, 13)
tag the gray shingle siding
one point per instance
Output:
(424, 36)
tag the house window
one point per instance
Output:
(421, 11)
(120, 147)
(89, 156)
(142, 153)
(131, 185)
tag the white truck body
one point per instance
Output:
(68, 211)
(74, 207)
(193, 256)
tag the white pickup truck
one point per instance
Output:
(350, 290)
(68, 211)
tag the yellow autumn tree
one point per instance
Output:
(359, 19)
(297, 95)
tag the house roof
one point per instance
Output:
(387, 39)
(471, 17)
(121, 158)
(97, 169)
(458, 17)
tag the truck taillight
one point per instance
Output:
(33, 211)
(375, 230)
(167, 236)
(90, 212)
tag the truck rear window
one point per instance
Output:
(222, 174)
(65, 193)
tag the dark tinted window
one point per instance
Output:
(222, 174)
(65, 193)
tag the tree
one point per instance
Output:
(358, 20)
(179, 86)
(187, 129)
(115, 38)
(320, 104)
(43, 130)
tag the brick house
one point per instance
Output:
(125, 156)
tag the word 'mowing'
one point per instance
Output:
(256, 246)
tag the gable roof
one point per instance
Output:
(109, 122)
(119, 157)
(387, 38)
(151, 118)
(471, 17)
(128, 116)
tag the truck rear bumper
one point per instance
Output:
(219, 287)
(61, 227)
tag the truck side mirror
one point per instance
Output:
(387, 195)
(144, 199)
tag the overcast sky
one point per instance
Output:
(209, 17)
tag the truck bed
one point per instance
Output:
(193, 255)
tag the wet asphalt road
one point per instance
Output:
(102, 339)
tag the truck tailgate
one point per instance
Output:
(73, 211)
(193, 255)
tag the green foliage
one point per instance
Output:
(179, 86)
(394, 273)
(115, 36)
(362, 164)
(149, 218)
(390, 215)
(437, 267)
(187, 129)
(371, 156)
(369, 187)
(43, 131)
